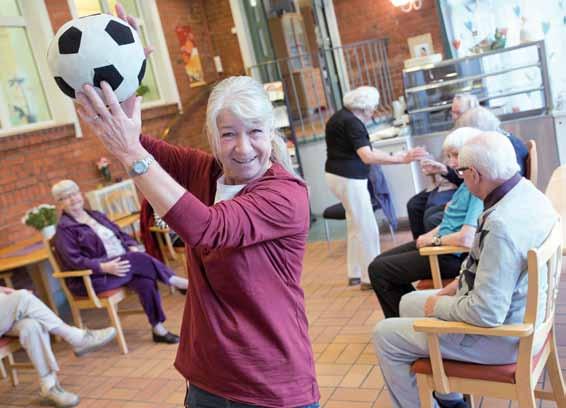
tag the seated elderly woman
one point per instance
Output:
(393, 272)
(89, 240)
(424, 212)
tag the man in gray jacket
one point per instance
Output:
(492, 287)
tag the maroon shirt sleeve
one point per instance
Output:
(273, 209)
(184, 164)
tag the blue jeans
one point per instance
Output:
(198, 398)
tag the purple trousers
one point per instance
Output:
(142, 279)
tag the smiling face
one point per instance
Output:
(244, 148)
(72, 202)
(451, 157)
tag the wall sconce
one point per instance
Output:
(407, 5)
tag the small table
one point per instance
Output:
(30, 252)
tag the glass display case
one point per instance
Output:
(512, 82)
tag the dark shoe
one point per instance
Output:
(354, 281)
(182, 291)
(450, 403)
(168, 338)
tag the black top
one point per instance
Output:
(521, 153)
(345, 134)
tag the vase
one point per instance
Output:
(48, 232)
(106, 174)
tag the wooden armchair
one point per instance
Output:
(9, 345)
(108, 300)
(433, 253)
(531, 164)
(170, 253)
(511, 381)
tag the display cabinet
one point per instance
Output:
(512, 82)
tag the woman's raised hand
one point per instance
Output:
(115, 129)
(416, 153)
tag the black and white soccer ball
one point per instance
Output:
(97, 48)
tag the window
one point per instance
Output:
(22, 95)
(154, 91)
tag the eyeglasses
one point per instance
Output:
(460, 171)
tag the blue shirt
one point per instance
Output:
(463, 209)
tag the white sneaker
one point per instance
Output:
(58, 397)
(95, 339)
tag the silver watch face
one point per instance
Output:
(139, 167)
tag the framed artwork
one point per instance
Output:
(421, 45)
(191, 58)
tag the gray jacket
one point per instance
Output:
(493, 278)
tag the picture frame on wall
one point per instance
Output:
(421, 45)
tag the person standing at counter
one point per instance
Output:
(349, 155)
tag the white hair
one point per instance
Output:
(458, 137)
(491, 154)
(247, 99)
(467, 100)
(364, 98)
(63, 188)
(480, 118)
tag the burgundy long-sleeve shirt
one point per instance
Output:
(244, 334)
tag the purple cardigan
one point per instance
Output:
(78, 246)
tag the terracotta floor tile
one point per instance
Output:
(355, 394)
(356, 376)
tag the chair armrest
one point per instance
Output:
(436, 326)
(442, 250)
(72, 274)
(157, 229)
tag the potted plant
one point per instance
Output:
(43, 218)
(103, 165)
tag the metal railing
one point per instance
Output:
(314, 83)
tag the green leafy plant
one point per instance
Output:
(41, 216)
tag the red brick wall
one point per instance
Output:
(31, 163)
(220, 23)
(371, 19)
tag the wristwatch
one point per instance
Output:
(436, 240)
(141, 166)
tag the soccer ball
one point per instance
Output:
(97, 48)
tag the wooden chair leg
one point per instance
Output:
(526, 396)
(3, 373)
(113, 313)
(555, 377)
(12, 370)
(470, 400)
(425, 393)
(76, 313)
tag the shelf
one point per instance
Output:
(468, 78)
(538, 44)
(448, 105)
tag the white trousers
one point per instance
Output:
(363, 233)
(25, 316)
(398, 346)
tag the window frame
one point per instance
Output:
(37, 24)
(159, 59)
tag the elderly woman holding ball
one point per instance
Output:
(244, 217)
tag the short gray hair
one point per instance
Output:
(363, 98)
(63, 188)
(480, 118)
(458, 137)
(491, 154)
(468, 101)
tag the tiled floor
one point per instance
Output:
(341, 320)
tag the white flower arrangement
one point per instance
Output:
(41, 216)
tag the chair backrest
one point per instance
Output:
(544, 269)
(118, 203)
(556, 193)
(531, 163)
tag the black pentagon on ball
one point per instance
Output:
(142, 72)
(120, 33)
(70, 41)
(108, 73)
(65, 87)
